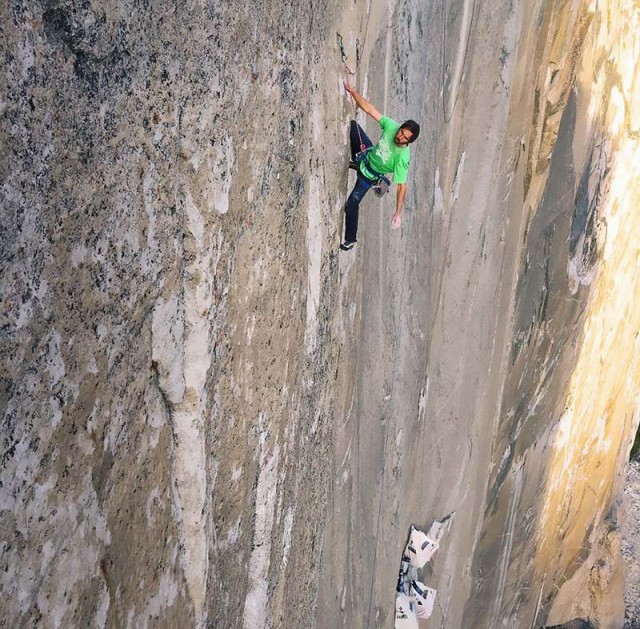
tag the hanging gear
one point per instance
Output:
(381, 183)
(344, 56)
(381, 187)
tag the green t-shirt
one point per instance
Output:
(386, 156)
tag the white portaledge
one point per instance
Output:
(413, 598)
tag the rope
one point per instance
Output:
(397, 334)
(363, 146)
(350, 72)
(344, 56)
(388, 410)
(396, 340)
(435, 289)
(447, 117)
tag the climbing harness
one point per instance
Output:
(381, 183)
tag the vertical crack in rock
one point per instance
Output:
(508, 536)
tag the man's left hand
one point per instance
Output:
(396, 221)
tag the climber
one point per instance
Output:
(371, 163)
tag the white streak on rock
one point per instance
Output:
(314, 261)
(78, 255)
(256, 602)
(103, 608)
(195, 224)
(149, 184)
(152, 500)
(438, 196)
(77, 532)
(236, 473)
(422, 401)
(579, 270)
(221, 174)
(167, 328)
(458, 179)
(251, 326)
(92, 366)
(286, 535)
(181, 352)
(85, 445)
(233, 534)
(26, 55)
(164, 597)
(55, 363)
(465, 13)
(56, 411)
(24, 316)
(316, 123)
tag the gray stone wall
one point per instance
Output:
(160, 389)
(210, 416)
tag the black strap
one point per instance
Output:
(373, 171)
(363, 156)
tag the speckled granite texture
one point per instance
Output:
(154, 356)
(211, 417)
(631, 545)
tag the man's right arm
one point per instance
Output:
(363, 103)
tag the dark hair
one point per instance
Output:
(414, 127)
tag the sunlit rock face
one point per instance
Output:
(571, 400)
(210, 418)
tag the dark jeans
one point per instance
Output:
(361, 187)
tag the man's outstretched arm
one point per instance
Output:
(363, 103)
(396, 221)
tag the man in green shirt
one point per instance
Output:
(372, 163)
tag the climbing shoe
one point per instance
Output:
(353, 166)
(347, 245)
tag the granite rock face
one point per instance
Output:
(161, 387)
(630, 527)
(210, 417)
